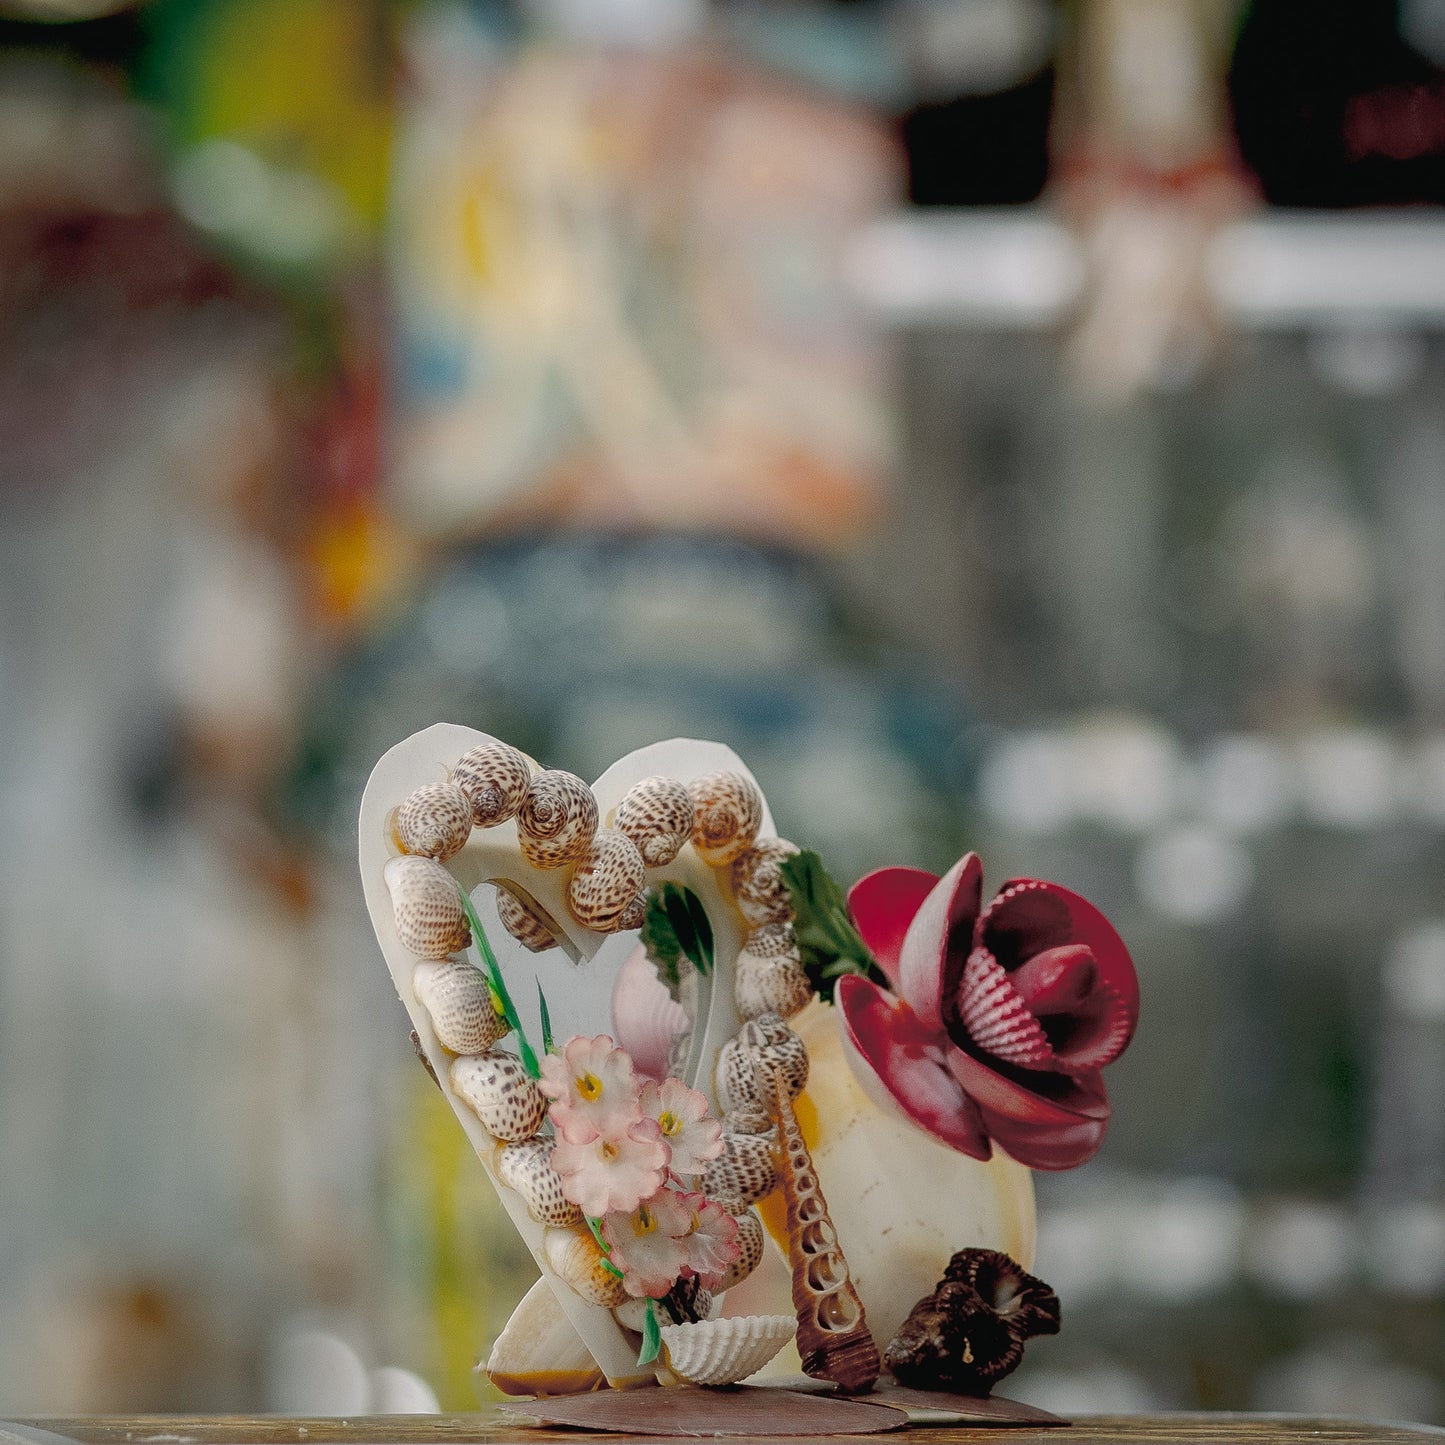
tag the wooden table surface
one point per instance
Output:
(490, 1427)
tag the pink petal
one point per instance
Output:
(902, 1065)
(883, 904)
(1087, 1023)
(937, 943)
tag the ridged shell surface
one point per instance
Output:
(727, 813)
(459, 1004)
(427, 907)
(750, 1251)
(745, 1172)
(606, 881)
(556, 820)
(501, 1093)
(434, 821)
(657, 815)
(574, 1256)
(770, 986)
(765, 1039)
(527, 1168)
(723, 1352)
(524, 923)
(758, 887)
(494, 778)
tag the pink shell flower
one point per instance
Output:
(647, 1242)
(712, 1240)
(593, 1088)
(681, 1114)
(612, 1172)
(999, 1019)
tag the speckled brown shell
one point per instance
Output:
(749, 1119)
(750, 1251)
(459, 1004)
(727, 813)
(524, 924)
(557, 819)
(434, 821)
(768, 1040)
(426, 906)
(758, 887)
(527, 1168)
(606, 881)
(494, 778)
(574, 1256)
(657, 815)
(770, 986)
(745, 1171)
(634, 915)
(773, 940)
(501, 1093)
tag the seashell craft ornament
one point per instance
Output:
(725, 1107)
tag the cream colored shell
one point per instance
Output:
(770, 986)
(494, 778)
(606, 881)
(524, 923)
(459, 1004)
(501, 1093)
(527, 1168)
(727, 813)
(722, 1352)
(758, 887)
(657, 814)
(574, 1256)
(434, 821)
(556, 820)
(426, 907)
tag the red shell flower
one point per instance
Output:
(1000, 1018)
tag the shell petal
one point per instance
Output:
(883, 904)
(722, 1352)
(997, 1018)
(645, 1016)
(925, 959)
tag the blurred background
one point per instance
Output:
(1010, 424)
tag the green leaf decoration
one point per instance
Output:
(829, 943)
(498, 985)
(675, 926)
(651, 1336)
(547, 1044)
(595, 1225)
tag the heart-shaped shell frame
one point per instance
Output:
(580, 999)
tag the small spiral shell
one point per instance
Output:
(745, 1172)
(770, 986)
(765, 1039)
(500, 1092)
(494, 778)
(634, 915)
(524, 923)
(527, 1168)
(727, 813)
(657, 814)
(459, 1003)
(434, 821)
(606, 881)
(758, 887)
(427, 907)
(773, 940)
(557, 819)
(750, 1251)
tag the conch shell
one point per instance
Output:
(722, 1352)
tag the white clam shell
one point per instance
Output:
(459, 1004)
(434, 821)
(494, 778)
(576, 1258)
(758, 887)
(606, 881)
(556, 820)
(722, 1352)
(657, 814)
(524, 922)
(501, 1093)
(727, 813)
(426, 907)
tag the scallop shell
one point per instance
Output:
(722, 1352)
(427, 907)
(758, 887)
(727, 813)
(459, 1004)
(646, 1019)
(575, 1257)
(494, 779)
(996, 1018)
(745, 1172)
(501, 1093)
(750, 1251)
(767, 1040)
(605, 884)
(434, 821)
(527, 1168)
(657, 815)
(556, 820)
(525, 922)
(770, 986)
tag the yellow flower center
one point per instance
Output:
(589, 1086)
(608, 1150)
(645, 1222)
(669, 1123)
